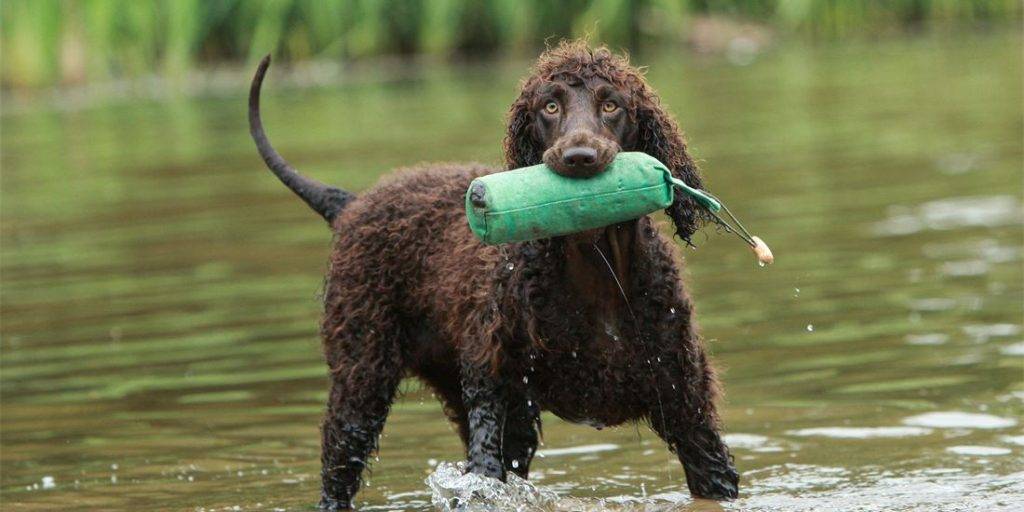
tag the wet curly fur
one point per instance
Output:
(596, 328)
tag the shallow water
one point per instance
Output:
(159, 290)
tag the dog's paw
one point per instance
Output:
(333, 505)
(719, 483)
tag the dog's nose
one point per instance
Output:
(579, 157)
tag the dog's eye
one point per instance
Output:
(551, 107)
(609, 106)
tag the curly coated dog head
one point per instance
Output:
(581, 106)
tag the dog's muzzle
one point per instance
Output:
(580, 154)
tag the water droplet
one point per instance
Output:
(515, 463)
(510, 266)
(574, 354)
(810, 327)
(526, 379)
(529, 403)
(671, 311)
(760, 263)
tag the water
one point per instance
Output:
(159, 289)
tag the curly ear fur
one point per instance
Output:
(522, 148)
(659, 136)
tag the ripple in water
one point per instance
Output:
(745, 441)
(981, 451)
(861, 432)
(981, 333)
(956, 419)
(807, 488)
(578, 450)
(1016, 349)
(926, 339)
(952, 213)
(1017, 440)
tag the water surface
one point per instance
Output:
(160, 289)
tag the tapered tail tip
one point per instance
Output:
(762, 251)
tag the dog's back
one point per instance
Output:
(407, 239)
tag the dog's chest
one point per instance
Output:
(599, 377)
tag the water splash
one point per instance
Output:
(453, 490)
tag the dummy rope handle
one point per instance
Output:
(714, 205)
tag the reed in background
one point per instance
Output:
(47, 42)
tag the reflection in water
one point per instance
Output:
(955, 213)
(577, 450)
(160, 291)
(954, 419)
(982, 451)
(862, 432)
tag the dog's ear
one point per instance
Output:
(522, 148)
(659, 136)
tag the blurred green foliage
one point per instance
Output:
(46, 42)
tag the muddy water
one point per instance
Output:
(160, 290)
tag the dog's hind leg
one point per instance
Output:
(365, 372)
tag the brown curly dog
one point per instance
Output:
(595, 327)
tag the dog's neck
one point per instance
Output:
(598, 267)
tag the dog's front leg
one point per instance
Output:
(683, 413)
(502, 424)
(485, 402)
(709, 469)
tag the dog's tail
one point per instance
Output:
(325, 200)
